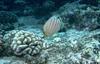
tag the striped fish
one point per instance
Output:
(53, 25)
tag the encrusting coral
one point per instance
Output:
(24, 42)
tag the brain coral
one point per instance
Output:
(24, 42)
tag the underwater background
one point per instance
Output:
(49, 31)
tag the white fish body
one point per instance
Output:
(53, 25)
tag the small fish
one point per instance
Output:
(52, 26)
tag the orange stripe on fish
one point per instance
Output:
(53, 25)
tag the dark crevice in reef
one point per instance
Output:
(89, 2)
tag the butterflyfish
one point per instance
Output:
(52, 26)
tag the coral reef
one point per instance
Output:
(1, 44)
(40, 59)
(7, 21)
(26, 7)
(89, 2)
(7, 17)
(70, 47)
(74, 47)
(24, 42)
(26, 45)
(81, 17)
